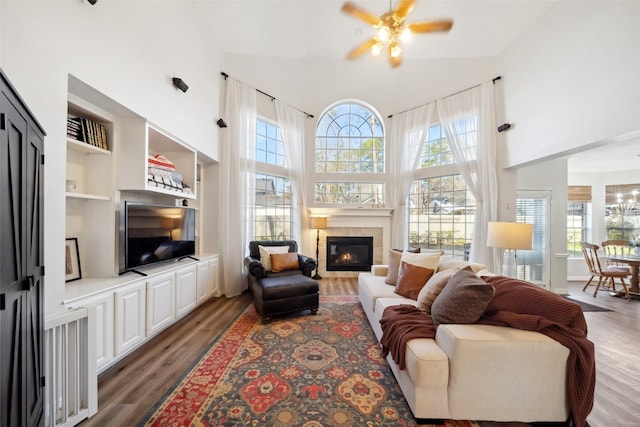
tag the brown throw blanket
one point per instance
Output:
(520, 305)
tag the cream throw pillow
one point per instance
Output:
(447, 262)
(425, 260)
(432, 289)
(266, 251)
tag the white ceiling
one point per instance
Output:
(619, 154)
(318, 29)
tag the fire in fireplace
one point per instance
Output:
(349, 253)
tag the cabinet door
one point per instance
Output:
(160, 302)
(203, 278)
(101, 327)
(185, 290)
(215, 277)
(21, 270)
(129, 317)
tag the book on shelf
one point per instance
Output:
(87, 131)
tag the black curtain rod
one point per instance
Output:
(450, 95)
(273, 98)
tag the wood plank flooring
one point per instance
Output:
(130, 388)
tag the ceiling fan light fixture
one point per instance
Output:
(377, 48)
(391, 29)
(405, 34)
(394, 49)
(384, 33)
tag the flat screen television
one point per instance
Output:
(151, 234)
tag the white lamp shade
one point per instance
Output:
(509, 235)
(318, 222)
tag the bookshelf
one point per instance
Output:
(114, 167)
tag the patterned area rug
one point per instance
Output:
(311, 371)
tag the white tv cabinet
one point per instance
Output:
(127, 311)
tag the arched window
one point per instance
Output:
(349, 156)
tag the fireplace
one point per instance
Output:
(349, 253)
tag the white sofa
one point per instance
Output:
(474, 372)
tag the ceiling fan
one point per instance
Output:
(391, 29)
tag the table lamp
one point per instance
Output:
(318, 222)
(509, 236)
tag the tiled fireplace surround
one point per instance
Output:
(357, 222)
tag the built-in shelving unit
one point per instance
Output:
(98, 178)
(130, 309)
(133, 158)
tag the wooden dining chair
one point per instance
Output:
(617, 247)
(606, 275)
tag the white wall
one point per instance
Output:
(313, 85)
(572, 79)
(127, 50)
(551, 176)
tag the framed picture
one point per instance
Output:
(72, 260)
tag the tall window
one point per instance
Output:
(441, 215)
(441, 208)
(622, 211)
(578, 218)
(273, 198)
(349, 156)
(577, 226)
(269, 144)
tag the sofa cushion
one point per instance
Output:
(283, 262)
(447, 262)
(411, 279)
(463, 300)
(266, 251)
(433, 287)
(522, 374)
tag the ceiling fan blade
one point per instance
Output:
(404, 8)
(431, 26)
(364, 47)
(361, 14)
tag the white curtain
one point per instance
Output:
(237, 184)
(479, 175)
(408, 133)
(291, 123)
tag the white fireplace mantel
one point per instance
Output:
(359, 218)
(350, 212)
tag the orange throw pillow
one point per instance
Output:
(411, 279)
(282, 262)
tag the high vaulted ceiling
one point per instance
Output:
(317, 29)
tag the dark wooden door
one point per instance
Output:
(21, 264)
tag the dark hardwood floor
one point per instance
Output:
(130, 388)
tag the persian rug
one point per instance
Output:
(303, 370)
